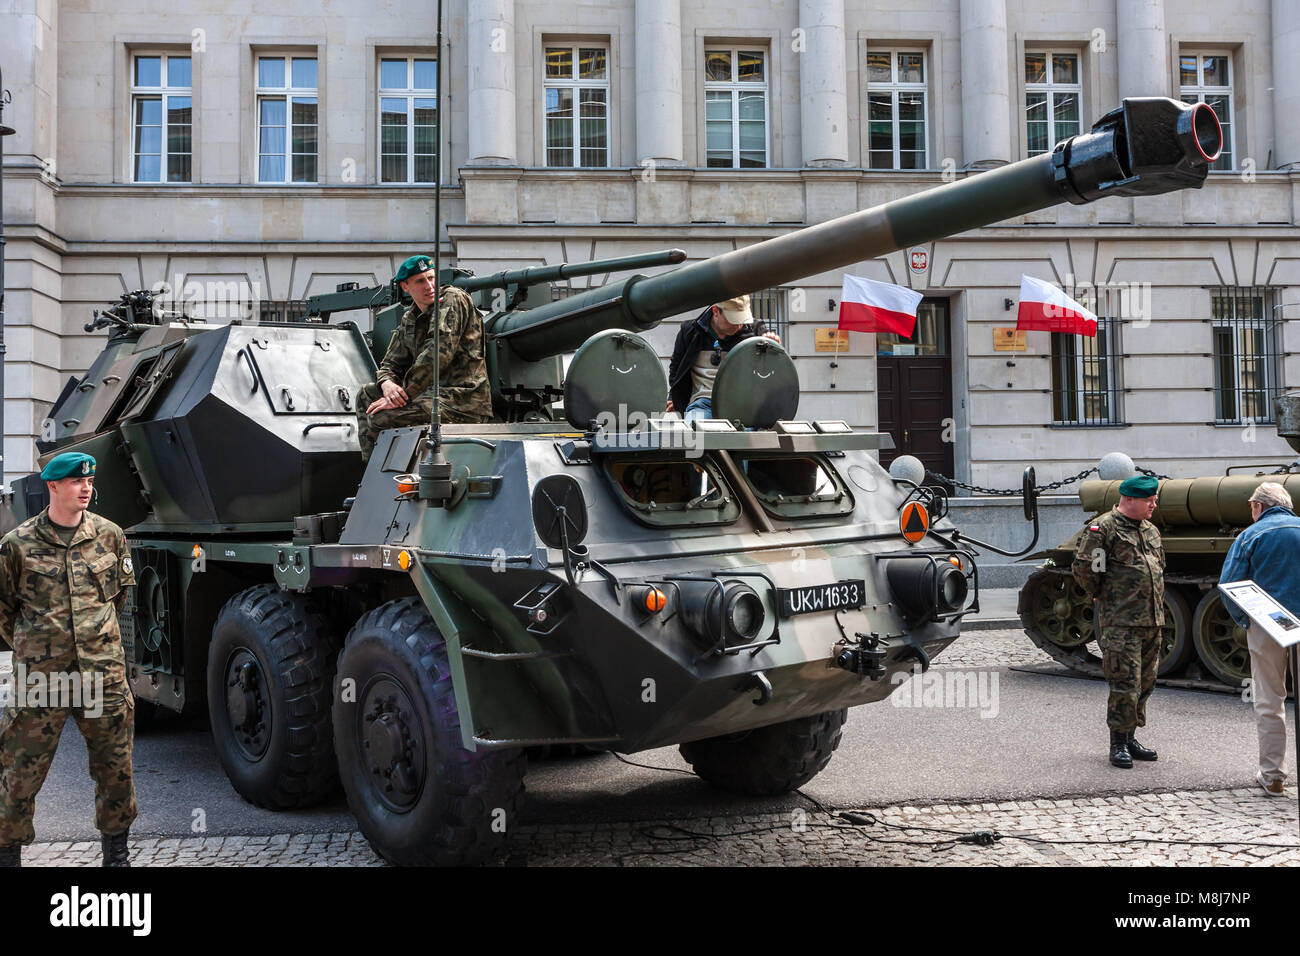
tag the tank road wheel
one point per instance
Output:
(1058, 616)
(270, 666)
(769, 760)
(1176, 647)
(419, 797)
(1220, 643)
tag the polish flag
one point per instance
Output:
(1045, 308)
(870, 306)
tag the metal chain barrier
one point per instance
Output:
(1011, 492)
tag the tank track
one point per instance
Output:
(1058, 619)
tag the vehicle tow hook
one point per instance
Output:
(758, 681)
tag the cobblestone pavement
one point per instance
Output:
(1130, 830)
(1133, 830)
(999, 648)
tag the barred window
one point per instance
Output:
(1247, 359)
(772, 308)
(1085, 375)
(282, 310)
(896, 90)
(577, 106)
(1052, 92)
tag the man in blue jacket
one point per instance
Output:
(1268, 553)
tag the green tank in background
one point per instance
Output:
(1198, 519)
(589, 573)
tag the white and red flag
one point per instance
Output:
(870, 306)
(1045, 308)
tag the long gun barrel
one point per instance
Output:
(1145, 147)
(535, 275)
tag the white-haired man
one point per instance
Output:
(1268, 553)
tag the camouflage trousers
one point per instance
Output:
(1129, 659)
(28, 738)
(417, 412)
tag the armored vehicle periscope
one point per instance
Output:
(1198, 519)
(616, 578)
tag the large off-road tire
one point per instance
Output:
(770, 760)
(419, 797)
(270, 670)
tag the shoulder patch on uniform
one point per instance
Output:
(1095, 527)
(126, 564)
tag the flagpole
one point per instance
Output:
(835, 362)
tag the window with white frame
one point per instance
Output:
(1052, 99)
(286, 119)
(735, 108)
(1247, 357)
(1207, 78)
(162, 110)
(577, 105)
(896, 107)
(408, 119)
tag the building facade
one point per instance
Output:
(243, 156)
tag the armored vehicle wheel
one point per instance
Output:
(269, 669)
(769, 760)
(1176, 647)
(419, 797)
(1220, 643)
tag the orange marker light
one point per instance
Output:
(954, 560)
(654, 600)
(406, 484)
(404, 560)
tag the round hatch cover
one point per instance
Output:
(614, 368)
(757, 384)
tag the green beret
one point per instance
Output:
(413, 266)
(71, 464)
(1139, 486)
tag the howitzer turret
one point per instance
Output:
(613, 583)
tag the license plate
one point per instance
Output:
(822, 597)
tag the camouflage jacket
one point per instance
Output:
(1129, 581)
(463, 392)
(59, 603)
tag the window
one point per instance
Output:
(1052, 91)
(1207, 78)
(162, 108)
(735, 108)
(896, 109)
(1246, 354)
(408, 119)
(772, 308)
(1085, 386)
(577, 135)
(286, 119)
(282, 310)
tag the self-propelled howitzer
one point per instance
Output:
(619, 580)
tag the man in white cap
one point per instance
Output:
(1268, 553)
(698, 352)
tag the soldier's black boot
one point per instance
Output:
(116, 851)
(1138, 752)
(11, 855)
(1119, 755)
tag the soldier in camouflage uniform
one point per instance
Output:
(403, 394)
(63, 581)
(1120, 564)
